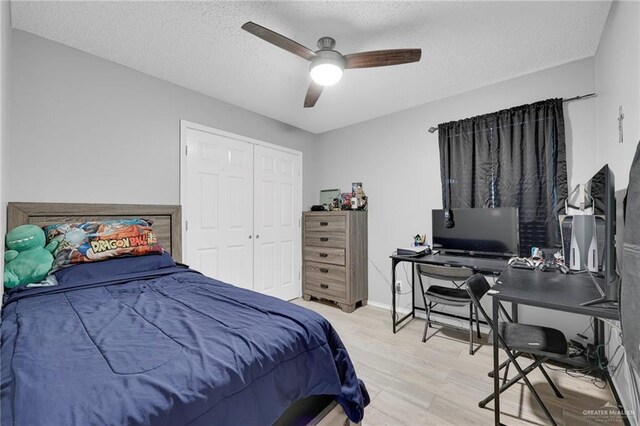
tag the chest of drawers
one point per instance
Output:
(335, 257)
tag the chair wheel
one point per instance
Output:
(424, 340)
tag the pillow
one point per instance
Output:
(93, 241)
(108, 269)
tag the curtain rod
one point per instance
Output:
(575, 98)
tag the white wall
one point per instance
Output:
(618, 84)
(617, 66)
(84, 129)
(5, 49)
(398, 162)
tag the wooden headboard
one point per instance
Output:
(167, 221)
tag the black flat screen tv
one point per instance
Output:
(485, 232)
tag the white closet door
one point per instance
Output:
(277, 206)
(219, 207)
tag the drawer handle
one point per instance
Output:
(324, 270)
(324, 239)
(324, 285)
(324, 223)
(323, 255)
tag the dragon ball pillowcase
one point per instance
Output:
(95, 241)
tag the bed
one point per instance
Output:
(148, 341)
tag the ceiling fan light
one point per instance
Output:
(326, 68)
(326, 74)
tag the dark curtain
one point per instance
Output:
(511, 158)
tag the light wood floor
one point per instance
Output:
(439, 383)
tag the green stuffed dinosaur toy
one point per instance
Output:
(27, 260)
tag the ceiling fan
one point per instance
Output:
(327, 64)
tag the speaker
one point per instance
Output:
(600, 234)
(565, 231)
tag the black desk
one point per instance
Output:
(550, 290)
(479, 264)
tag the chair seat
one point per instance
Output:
(442, 294)
(533, 339)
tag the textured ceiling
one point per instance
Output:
(199, 45)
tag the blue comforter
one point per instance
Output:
(167, 347)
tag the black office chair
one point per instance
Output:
(450, 296)
(541, 343)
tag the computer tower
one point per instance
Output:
(583, 242)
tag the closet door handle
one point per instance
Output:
(324, 285)
(323, 255)
(324, 270)
(324, 239)
(324, 223)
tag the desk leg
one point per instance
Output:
(496, 367)
(410, 315)
(394, 263)
(598, 339)
(413, 290)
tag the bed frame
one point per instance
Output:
(167, 223)
(167, 219)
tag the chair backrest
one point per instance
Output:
(441, 272)
(477, 287)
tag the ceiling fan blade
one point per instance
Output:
(313, 93)
(382, 58)
(279, 40)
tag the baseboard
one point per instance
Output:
(386, 307)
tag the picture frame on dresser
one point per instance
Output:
(335, 257)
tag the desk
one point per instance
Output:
(478, 264)
(550, 290)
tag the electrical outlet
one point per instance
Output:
(398, 286)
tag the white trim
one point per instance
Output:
(186, 125)
(183, 182)
(386, 307)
